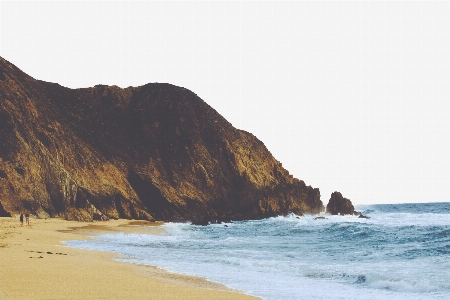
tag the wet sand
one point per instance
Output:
(35, 265)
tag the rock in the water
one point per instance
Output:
(340, 205)
(201, 222)
(155, 152)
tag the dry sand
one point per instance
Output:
(35, 265)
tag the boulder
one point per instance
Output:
(340, 205)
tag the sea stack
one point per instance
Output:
(155, 152)
(340, 205)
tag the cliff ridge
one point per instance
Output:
(155, 152)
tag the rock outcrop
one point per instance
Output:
(340, 205)
(155, 152)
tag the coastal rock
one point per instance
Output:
(201, 222)
(4, 213)
(340, 205)
(361, 216)
(155, 152)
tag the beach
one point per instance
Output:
(36, 265)
(400, 253)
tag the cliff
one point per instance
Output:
(155, 152)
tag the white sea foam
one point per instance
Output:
(395, 255)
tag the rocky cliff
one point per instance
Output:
(156, 151)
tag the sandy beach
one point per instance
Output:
(36, 265)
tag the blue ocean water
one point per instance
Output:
(401, 252)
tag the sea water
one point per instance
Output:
(401, 252)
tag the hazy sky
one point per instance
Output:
(349, 96)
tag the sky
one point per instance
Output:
(349, 96)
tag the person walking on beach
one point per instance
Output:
(27, 218)
(21, 219)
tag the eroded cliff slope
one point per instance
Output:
(156, 151)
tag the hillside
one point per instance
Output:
(155, 152)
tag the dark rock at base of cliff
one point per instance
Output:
(201, 222)
(3, 212)
(206, 220)
(361, 216)
(340, 205)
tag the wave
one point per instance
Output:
(395, 254)
(413, 208)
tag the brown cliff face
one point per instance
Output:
(152, 152)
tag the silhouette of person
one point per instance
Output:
(27, 218)
(21, 219)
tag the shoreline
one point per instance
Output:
(36, 265)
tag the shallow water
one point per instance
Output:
(401, 252)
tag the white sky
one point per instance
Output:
(349, 96)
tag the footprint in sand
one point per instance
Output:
(48, 252)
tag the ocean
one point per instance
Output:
(401, 252)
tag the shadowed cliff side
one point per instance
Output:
(152, 152)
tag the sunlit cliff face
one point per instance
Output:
(152, 152)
